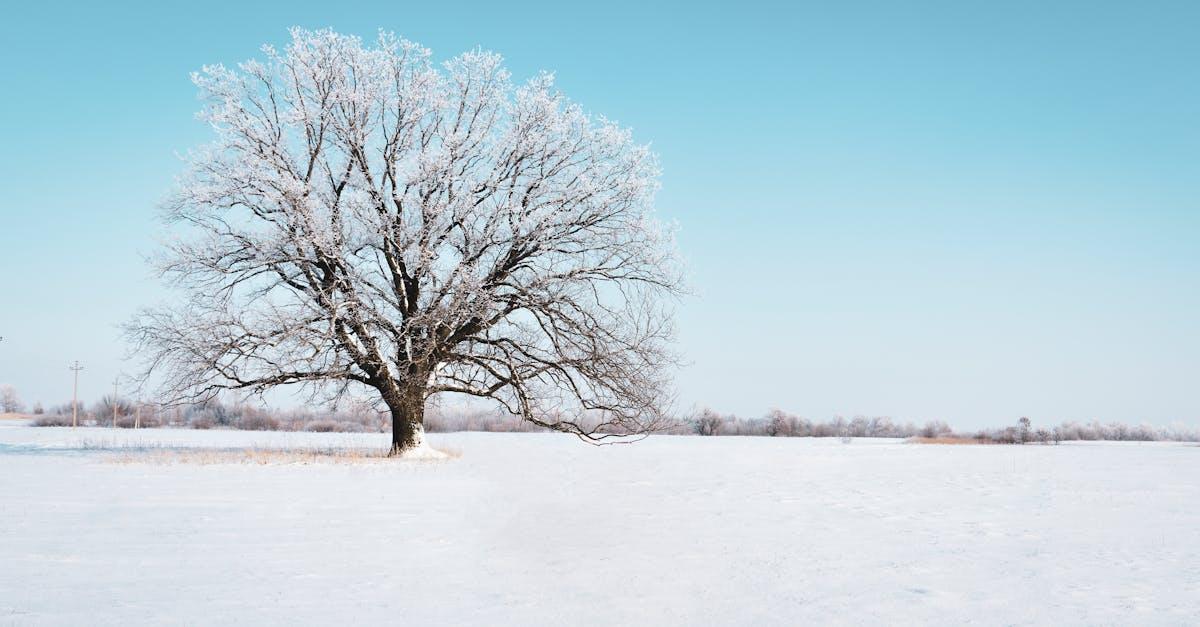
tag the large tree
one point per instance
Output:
(366, 218)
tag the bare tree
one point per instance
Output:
(1024, 430)
(110, 407)
(707, 422)
(10, 402)
(935, 428)
(365, 218)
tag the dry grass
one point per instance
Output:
(264, 456)
(947, 439)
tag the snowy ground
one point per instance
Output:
(533, 529)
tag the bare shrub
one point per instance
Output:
(257, 421)
(52, 420)
(935, 429)
(148, 421)
(948, 439)
(202, 422)
(323, 426)
(333, 426)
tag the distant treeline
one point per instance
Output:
(215, 414)
(781, 424)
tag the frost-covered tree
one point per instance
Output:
(367, 218)
(10, 401)
(707, 422)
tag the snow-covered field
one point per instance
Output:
(535, 529)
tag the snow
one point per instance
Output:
(540, 529)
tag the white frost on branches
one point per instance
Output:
(366, 217)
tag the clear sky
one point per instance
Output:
(961, 210)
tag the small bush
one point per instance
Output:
(52, 420)
(147, 422)
(333, 426)
(257, 422)
(935, 429)
(202, 422)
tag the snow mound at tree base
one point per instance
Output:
(422, 452)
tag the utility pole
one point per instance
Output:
(75, 396)
(114, 400)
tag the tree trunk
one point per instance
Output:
(408, 418)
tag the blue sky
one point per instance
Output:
(955, 210)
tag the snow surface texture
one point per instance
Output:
(540, 529)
